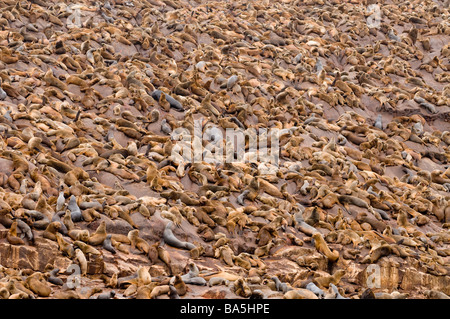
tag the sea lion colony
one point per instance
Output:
(87, 178)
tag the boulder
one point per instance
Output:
(383, 275)
(95, 264)
(31, 257)
(412, 280)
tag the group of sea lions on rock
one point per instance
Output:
(94, 203)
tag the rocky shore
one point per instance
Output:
(98, 97)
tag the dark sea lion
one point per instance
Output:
(170, 239)
(173, 102)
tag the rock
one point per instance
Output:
(412, 280)
(62, 263)
(118, 226)
(6, 166)
(126, 269)
(293, 252)
(110, 269)
(33, 257)
(3, 232)
(95, 264)
(303, 256)
(178, 260)
(214, 294)
(383, 275)
(282, 266)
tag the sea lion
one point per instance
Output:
(316, 290)
(79, 234)
(159, 290)
(226, 254)
(173, 293)
(143, 276)
(392, 295)
(170, 239)
(377, 253)
(325, 281)
(299, 294)
(52, 278)
(193, 272)
(99, 235)
(60, 202)
(77, 97)
(51, 230)
(82, 261)
(179, 285)
(303, 226)
(107, 244)
(136, 242)
(173, 102)
(26, 230)
(75, 211)
(65, 247)
(37, 283)
(353, 200)
(215, 281)
(164, 255)
(281, 286)
(322, 247)
(368, 294)
(66, 294)
(11, 235)
(378, 122)
(143, 292)
(435, 294)
(365, 218)
(334, 294)
(106, 295)
(241, 288)
(86, 248)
